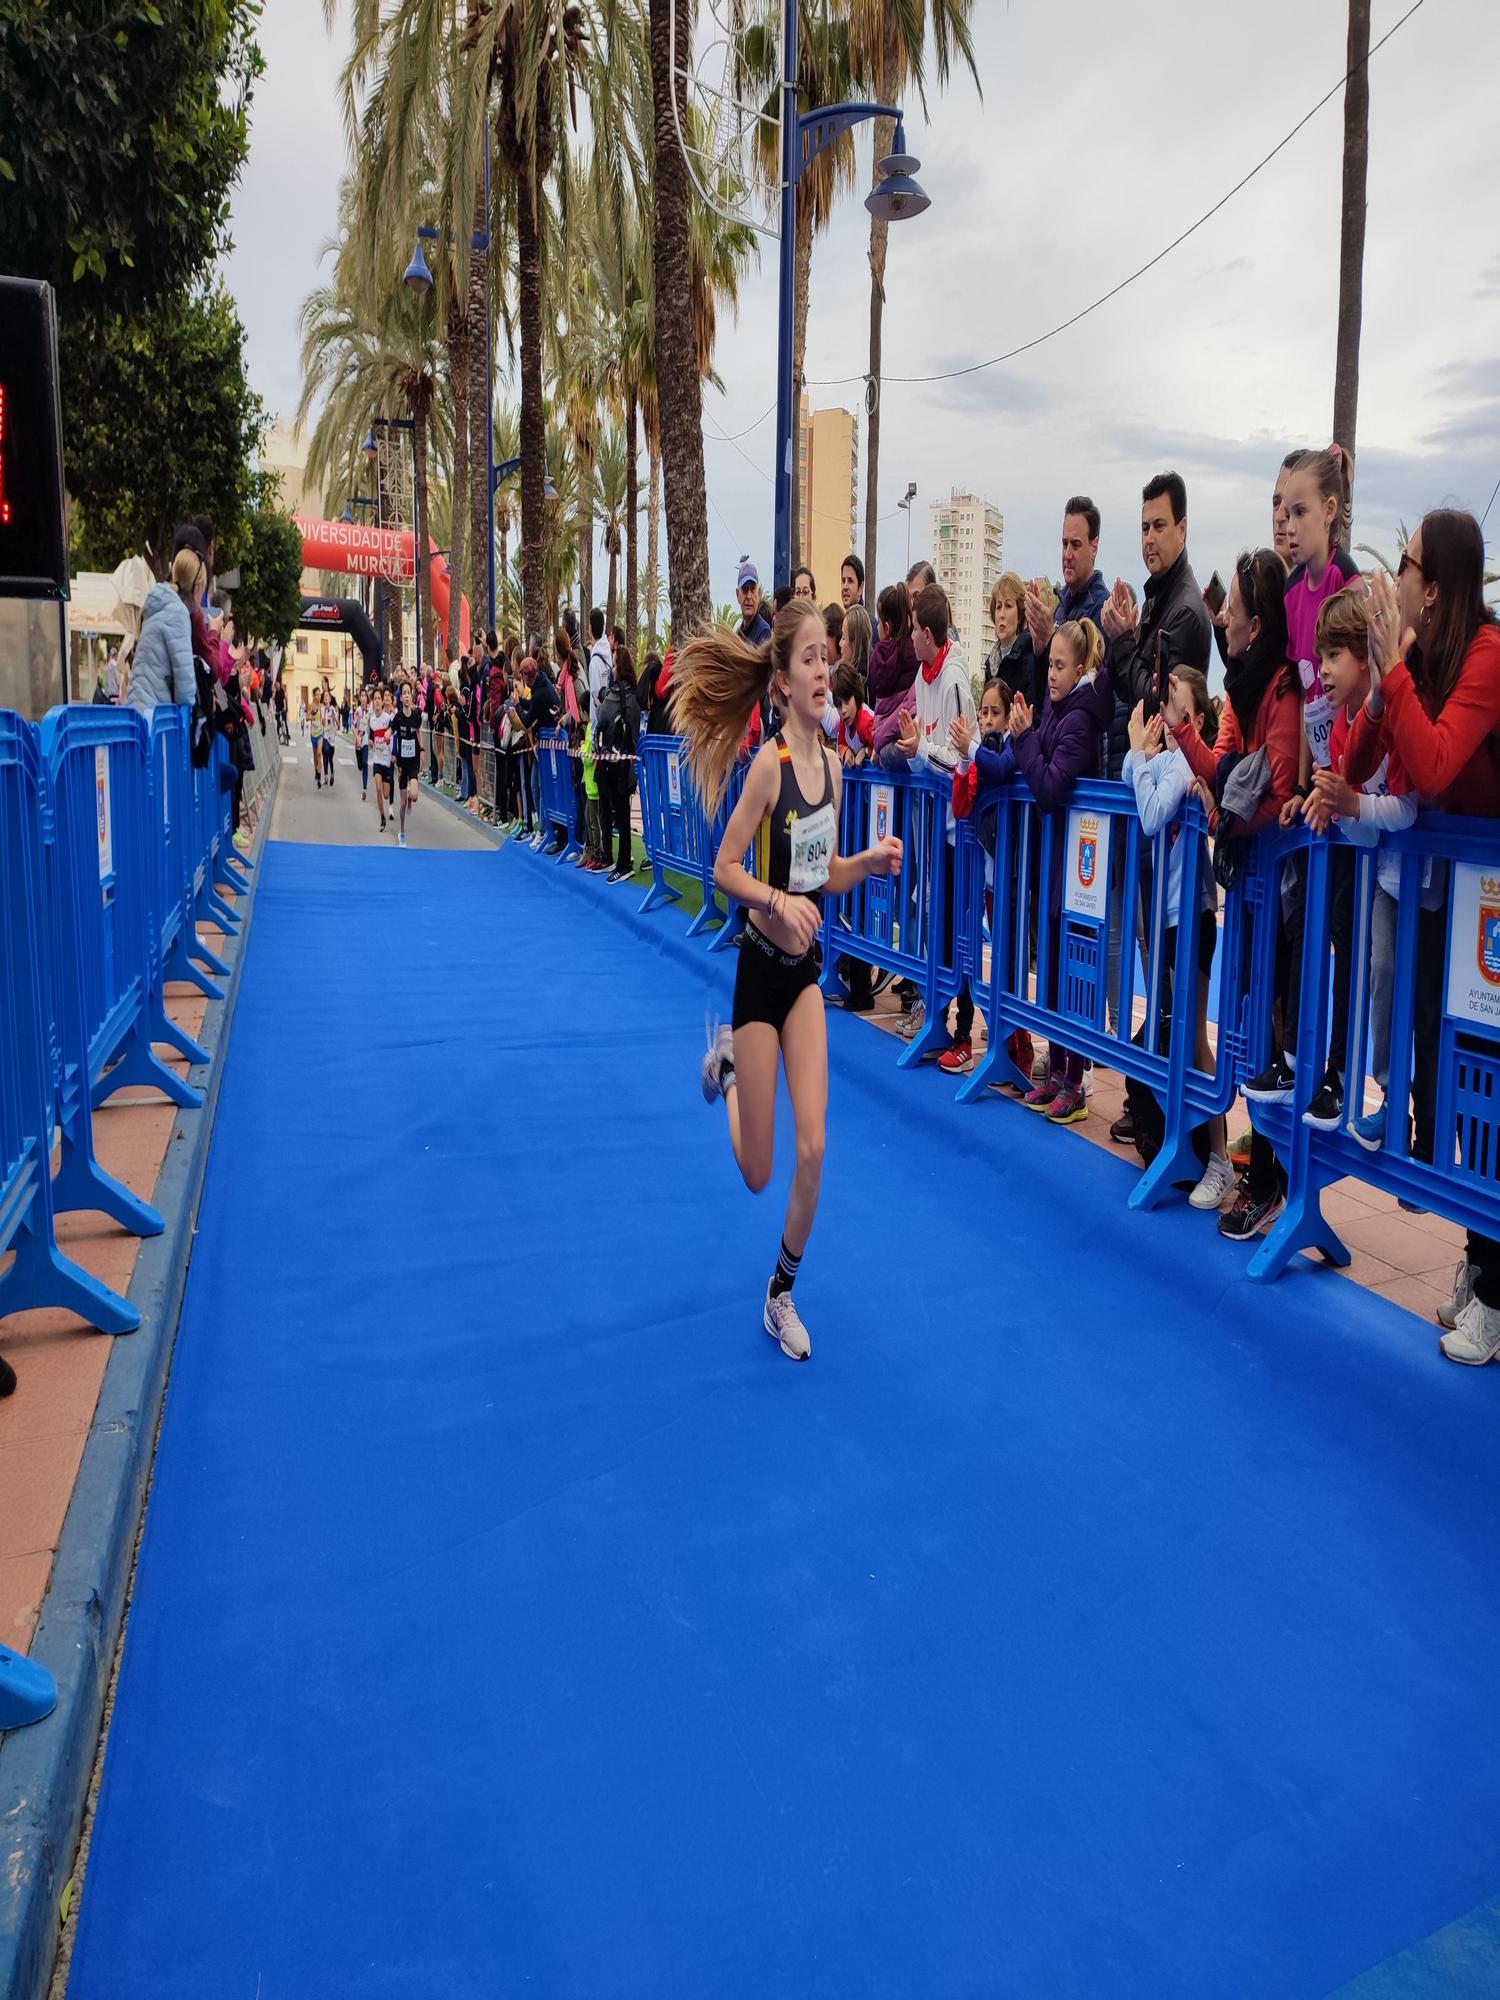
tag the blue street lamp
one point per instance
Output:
(418, 279)
(896, 199)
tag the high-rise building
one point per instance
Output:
(967, 552)
(828, 481)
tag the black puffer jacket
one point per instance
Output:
(1020, 669)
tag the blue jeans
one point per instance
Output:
(1382, 975)
(534, 780)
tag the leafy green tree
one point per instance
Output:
(268, 603)
(160, 422)
(122, 131)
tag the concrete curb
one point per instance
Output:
(45, 1769)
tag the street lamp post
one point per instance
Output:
(904, 503)
(896, 198)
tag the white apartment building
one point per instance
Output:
(967, 539)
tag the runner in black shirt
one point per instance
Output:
(407, 743)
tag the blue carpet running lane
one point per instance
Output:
(513, 1618)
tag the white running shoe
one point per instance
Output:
(784, 1324)
(1476, 1338)
(1218, 1179)
(401, 840)
(718, 1060)
(1463, 1291)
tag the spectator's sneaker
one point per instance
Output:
(618, 874)
(1040, 1095)
(1476, 1337)
(1239, 1152)
(1041, 1056)
(1326, 1112)
(1088, 1079)
(1273, 1086)
(1218, 1179)
(1020, 1051)
(881, 980)
(1368, 1130)
(784, 1324)
(718, 1064)
(958, 1060)
(401, 839)
(1068, 1107)
(1250, 1214)
(1463, 1293)
(1123, 1129)
(911, 1024)
(241, 839)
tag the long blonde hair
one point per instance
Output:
(717, 680)
(1085, 642)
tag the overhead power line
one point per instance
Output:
(975, 367)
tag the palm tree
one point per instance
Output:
(676, 338)
(507, 446)
(356, 361)
(1352, 236)
(609, 506)
(887, 55)
(524, 63)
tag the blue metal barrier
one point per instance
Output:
(899, 924)
(559, 798)
(1110, 876)
(102, 840)
(672, 820)
(213, 820)
(40, 1274)
(1444, 1037)
(177, 879)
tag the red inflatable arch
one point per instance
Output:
(355, 550)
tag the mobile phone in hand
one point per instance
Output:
(1215, 594)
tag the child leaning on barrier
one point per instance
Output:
(1385, 803)
(1159, 774)
(985, 762)
(1052, 757)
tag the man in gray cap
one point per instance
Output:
(755, 626)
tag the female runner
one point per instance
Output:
(408, 747)
(381, 725)
(790, 808)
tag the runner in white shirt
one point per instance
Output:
(362, 745)
(382, 722)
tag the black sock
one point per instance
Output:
(726, 1073)
(785, 1274)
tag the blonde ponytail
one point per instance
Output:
(717, 680)
(1085, 642)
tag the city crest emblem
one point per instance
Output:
(1488, 951)
(1087, 849)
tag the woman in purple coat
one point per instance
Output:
(1052, 756)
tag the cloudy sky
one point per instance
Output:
(1087, 155)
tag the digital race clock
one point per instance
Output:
(33, 529)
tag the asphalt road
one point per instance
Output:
(338, 815)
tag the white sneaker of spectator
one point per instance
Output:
(1218, 1179)
(1463, 1291)
(1476, 1338)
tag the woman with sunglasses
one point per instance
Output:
(1434, 703)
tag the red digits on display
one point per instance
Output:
(4, 503)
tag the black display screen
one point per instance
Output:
(33, 534)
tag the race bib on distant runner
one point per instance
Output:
(812, 849)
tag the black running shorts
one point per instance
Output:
(769, 980)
